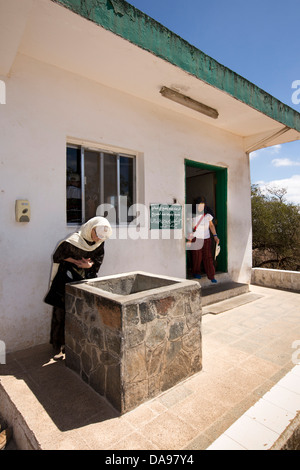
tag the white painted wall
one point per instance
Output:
(45, 105)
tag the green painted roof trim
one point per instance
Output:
(130, 23)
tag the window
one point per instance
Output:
(99, 183)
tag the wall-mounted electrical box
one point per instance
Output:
(22, 210)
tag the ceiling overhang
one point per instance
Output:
(51, 33)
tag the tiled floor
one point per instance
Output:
(247, 350)
(262, 425)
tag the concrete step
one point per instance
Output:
(205, 282)
(222, 291)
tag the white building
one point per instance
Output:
(85, 86)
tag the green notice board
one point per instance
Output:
(165, 216)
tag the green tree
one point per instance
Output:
(275, 229)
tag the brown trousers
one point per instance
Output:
(204, 254)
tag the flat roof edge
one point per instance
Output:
(126, 21)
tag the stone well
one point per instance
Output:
(134, 335)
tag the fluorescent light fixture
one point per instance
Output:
(189, 102)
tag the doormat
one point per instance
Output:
(228, 304)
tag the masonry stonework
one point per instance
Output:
(133, 336)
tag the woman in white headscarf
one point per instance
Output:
(77, 257)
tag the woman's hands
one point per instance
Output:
(85, 263)
(217, 240)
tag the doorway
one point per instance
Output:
(209, 181)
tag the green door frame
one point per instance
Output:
(221, 207)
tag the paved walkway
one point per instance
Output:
(247, 350)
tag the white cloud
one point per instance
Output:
(275, 149)
(253, 155)
(284, 162)
(292, 185)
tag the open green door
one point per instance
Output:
(210, 181)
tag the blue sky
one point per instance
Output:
(258, 39)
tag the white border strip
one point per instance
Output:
(262, 425)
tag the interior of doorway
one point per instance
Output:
(210, 182)
(201, 183)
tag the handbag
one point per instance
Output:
(195, 228)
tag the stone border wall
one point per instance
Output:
(276, 278)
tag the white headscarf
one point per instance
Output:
(84, 235)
